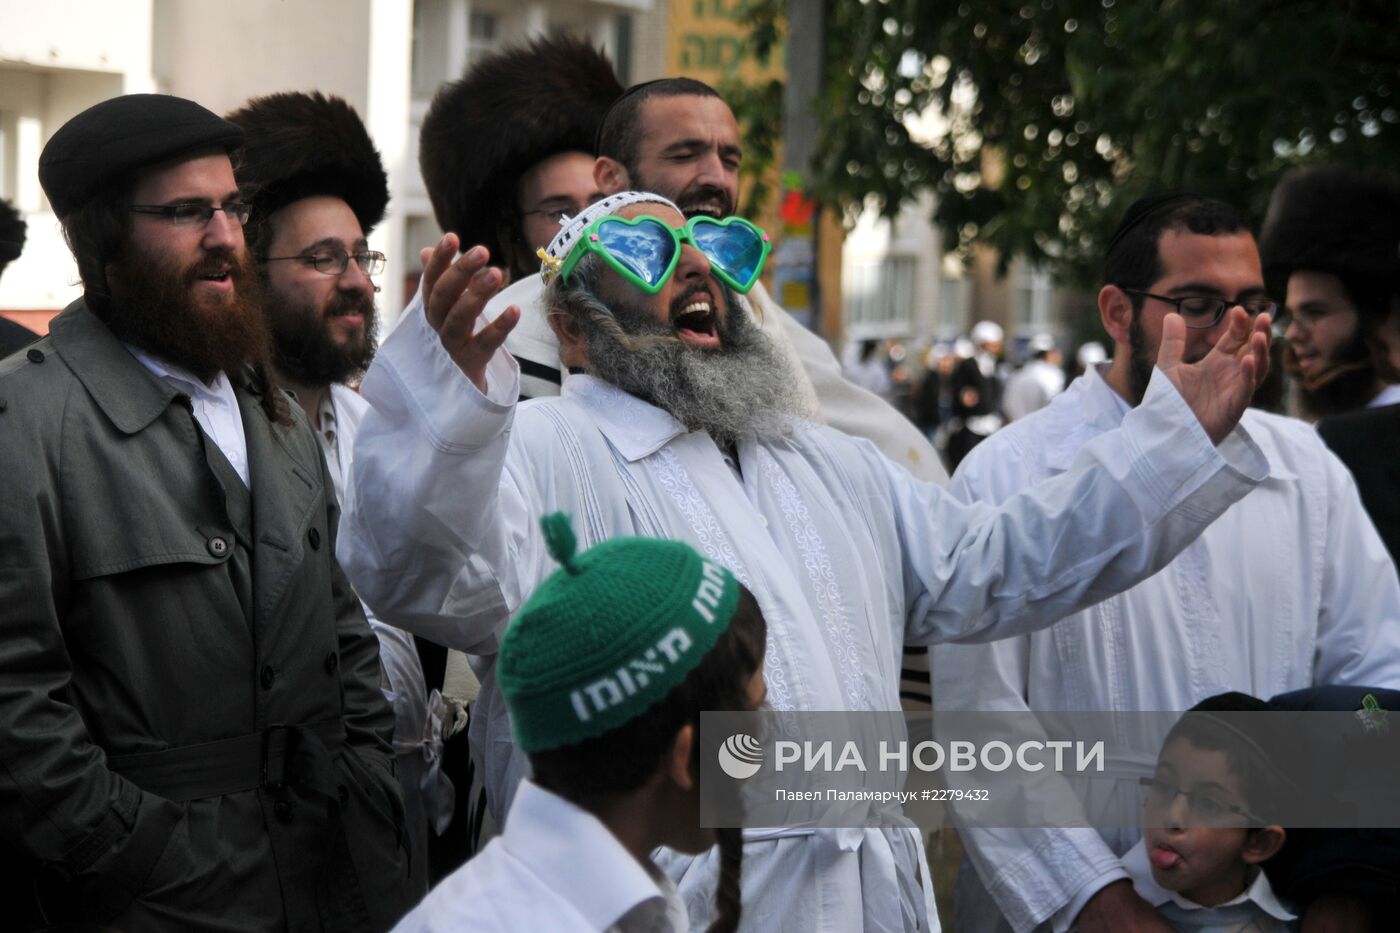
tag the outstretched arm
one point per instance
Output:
(432, 521)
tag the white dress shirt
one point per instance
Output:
(848, 555)
(1292, 587)
(556, 868)
(215, 408)
(1257, 909)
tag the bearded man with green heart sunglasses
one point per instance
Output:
(644, 250)
(688, 273)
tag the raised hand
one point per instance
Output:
(1218, 387)
(454, 295)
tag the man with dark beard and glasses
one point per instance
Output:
(1290, 588)
(679, 420)
(194, 734)
(318, 189)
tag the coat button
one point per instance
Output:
(314, 537)
(283, 811)
(218, 546)
(268, 676)
(332, 662)
(35, 355)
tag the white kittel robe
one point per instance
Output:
(848, 555)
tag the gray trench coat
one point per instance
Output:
(192, 734)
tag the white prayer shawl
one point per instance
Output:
(1292, 587)
(848, 555)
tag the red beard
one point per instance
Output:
(164, 311)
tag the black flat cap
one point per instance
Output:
(108, 140)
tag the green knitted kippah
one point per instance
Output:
(608, 635)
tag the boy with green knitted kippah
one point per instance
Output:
(605, 671)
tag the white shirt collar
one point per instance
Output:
(219, 388)
(1260, 892)
(1390, 395)
(635, 428)
(550, 834)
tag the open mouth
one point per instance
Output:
(709, 207)
(221, 274)
(695, 322)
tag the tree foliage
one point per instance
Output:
(1037, 122)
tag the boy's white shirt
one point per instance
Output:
(1259, 893)
(555, 867)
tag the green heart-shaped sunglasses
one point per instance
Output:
(645, 250)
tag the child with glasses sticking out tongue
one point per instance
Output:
(605, 672)
(1208, 822)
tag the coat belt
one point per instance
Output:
(243, 762)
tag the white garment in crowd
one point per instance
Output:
(556, 868)
(847, 554)
(419, 718)
(1291, 588)
(1031, 388)
(1256, 910)
(871, 373)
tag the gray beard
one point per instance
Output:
(745, 388)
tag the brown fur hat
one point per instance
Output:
(508, 112)
(299, 145)
(1338, 220)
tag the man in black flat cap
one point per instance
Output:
(193, 732)
(12, 229)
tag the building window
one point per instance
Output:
(954, 298)
(879, 297)
(483, 36)
(1034, 298)
(622, 48)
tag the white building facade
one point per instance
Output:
(386, 57)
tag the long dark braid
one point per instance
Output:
(728, 908)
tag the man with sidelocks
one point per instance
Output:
(1290, 588)
(679, 420)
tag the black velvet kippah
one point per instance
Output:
(1145, 208)
(110, 139)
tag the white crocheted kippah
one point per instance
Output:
(552, 258)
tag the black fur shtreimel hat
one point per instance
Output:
(301, 145)
(507, 113)
(1333, 219)
(108, 141)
